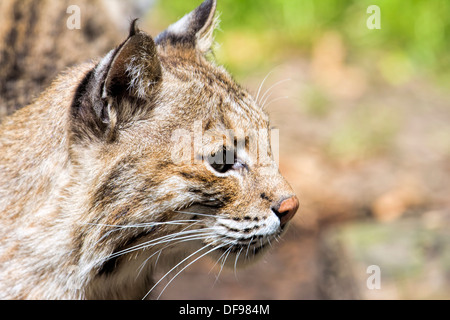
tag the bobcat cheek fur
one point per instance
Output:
(91, 201)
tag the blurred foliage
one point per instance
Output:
(414, 36)
(367, 132)
(318, 105)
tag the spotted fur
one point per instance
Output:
(92, 203)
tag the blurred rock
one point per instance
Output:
(414, 260)
(395, 202)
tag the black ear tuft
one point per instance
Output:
(194, 30)
(133, 28)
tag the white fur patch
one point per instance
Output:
(264, 227)
(139, 83)
(180, 27)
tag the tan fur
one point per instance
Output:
(87, 171)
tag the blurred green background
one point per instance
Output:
(414, 35)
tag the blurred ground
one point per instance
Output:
(365, 143)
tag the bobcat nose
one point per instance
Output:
(286, 210)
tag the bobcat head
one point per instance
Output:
(169, 160)
(223, 197)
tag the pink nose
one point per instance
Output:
(287, 210)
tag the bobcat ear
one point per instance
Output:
(119, 87)
(193, 30)
(134, 68)
(129, 72)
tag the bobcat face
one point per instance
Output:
(234, 190)
(172, 156)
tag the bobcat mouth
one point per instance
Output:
(253, 248)
(241, 252)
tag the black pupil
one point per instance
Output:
(222, 161)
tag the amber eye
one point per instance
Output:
(222, 161)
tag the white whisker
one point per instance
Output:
(265, 106)
(198, 214)
(154, 242)
(142, 225)
(263, 98)
(217, 261)
(185, 267)
(167, 245)
(261, 85)
(224, 260)
(268, 240)
(159, 255)
(236, 261)
(248, 246)
(167, 273)
(171, 244)
(146, 260)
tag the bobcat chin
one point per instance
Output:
(93, 200)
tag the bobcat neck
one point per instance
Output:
(35, 175)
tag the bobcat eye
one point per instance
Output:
(223, 160)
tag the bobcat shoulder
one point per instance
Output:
(93, 200)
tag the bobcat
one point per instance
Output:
(93, 199)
